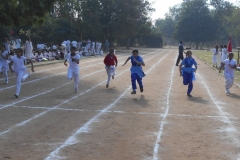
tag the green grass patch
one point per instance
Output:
(206, 56)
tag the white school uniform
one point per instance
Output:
(215, 56)
(18, 43)
(4, 64)
(111, 71)
(73, 69)
(28, 49)
(93, 47)
(74, 44)
(7, 46)
(229, 72)
(79, 45)
(101, 52)
(99, 47)
(20, 71)
(224, 54)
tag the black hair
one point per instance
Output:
(111, 49)
(225, 46)
(73, 48)
(19, 49)
(135, 50)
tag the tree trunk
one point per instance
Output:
(128, 43)
(202, 45)
(197, 44)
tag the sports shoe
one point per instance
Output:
(16, 95)
(189, 95)
(141, 89)
(75, 90)
(112, 77)
(227, 92)
(107, 85)
(6, 81)
(133, 92)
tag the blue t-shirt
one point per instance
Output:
(187, 65)
(137, 68)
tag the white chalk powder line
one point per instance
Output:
(73, 138)
(156, 146)
(120, 112)
(42, 113)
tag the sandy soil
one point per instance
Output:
(49, 121)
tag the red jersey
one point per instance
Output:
(110, 60)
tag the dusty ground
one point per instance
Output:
(49, 121)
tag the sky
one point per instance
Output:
(162, 7)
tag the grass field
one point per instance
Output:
(206, 56)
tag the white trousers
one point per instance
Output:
(4, 67)
(71, 74)
(93, 50)
(21, 76)
(229, 81)
(111, 71)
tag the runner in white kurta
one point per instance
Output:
(229, 65)
(73, 69)
(19, 69)
(4, 62)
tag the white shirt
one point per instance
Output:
(4, 54)
(74, 43)
(18, 63)
(228, 71)
(72, 64)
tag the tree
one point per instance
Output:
(195, 23)
(15, 13)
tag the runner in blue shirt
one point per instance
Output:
(187, 71)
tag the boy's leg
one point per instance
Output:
(5, 69)
(70, 73)
(108, 70)
(76, 81)
(19, 82)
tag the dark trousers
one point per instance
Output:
(180, 57)
(187, 80)
(135, 78)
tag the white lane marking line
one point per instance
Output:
(9, 105)
(73, 138)
(5, 106)
(53, 75)
(222, 113)
(156, 146)
(120, 112)
(50, 109)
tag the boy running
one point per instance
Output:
(73, 69)
(19, 69)
(110, 62)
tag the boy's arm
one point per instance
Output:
(31, 64)
(221, 67)
(126, 61)
(65, 62)
(116, 61)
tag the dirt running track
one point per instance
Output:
(49, 121)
